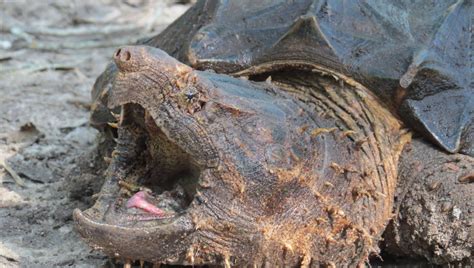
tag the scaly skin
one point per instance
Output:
(299, 171)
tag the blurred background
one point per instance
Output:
(51, 51)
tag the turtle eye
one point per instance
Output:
(190, 95)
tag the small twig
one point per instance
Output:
(15, 176)
(85, 30)
(10, 55)
(31, 68)
(82, 45)
(80, 74)
(5, 57)
(50, 46)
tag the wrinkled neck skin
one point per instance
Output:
(297, 171)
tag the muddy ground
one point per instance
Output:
(51, 51)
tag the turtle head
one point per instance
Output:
(207, 169)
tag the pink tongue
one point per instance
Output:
(138, 201)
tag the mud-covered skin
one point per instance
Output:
(281, 181)
(435, 206)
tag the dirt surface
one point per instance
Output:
(50, 54)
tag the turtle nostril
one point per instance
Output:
(127, 56)
(122, 55)
(123, 59)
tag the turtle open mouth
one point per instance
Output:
(154, 179)
(145, 202)
(159, 178)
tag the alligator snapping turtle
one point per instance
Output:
(279, 138)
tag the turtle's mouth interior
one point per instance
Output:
(157, 178)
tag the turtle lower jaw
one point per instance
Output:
(127, 234)
(132, 233)
(161, 243)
